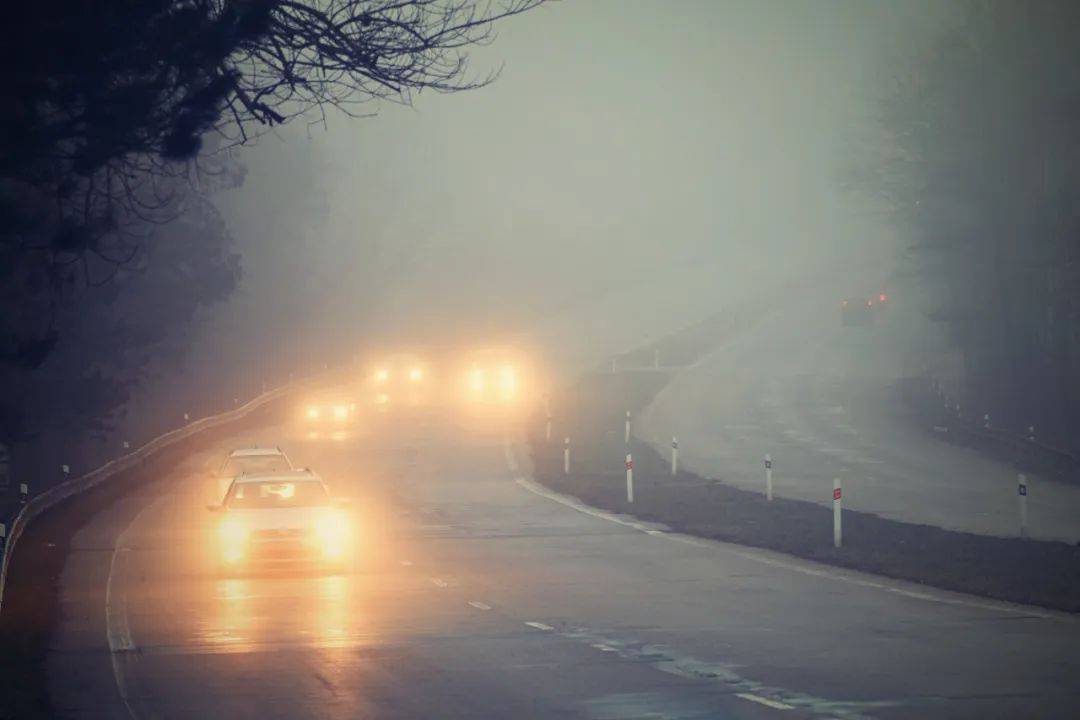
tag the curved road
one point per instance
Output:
(483, 596)
(821, 399)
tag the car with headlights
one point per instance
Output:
(493, 377)
(252, 461)
(329, 416)
(400, 380)
(281, 519)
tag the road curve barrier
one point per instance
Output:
(73, 486)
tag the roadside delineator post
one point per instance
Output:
(127, 445)
(613, 366)
(656, 358)
(629, 478)
(626, 429)
(65, 469)
(24, 493)
(986, 421)
(566, 456)
(768, 477)
(1031, 433)
(3, 534)
(674, 456)
(837, 531)
(187, 417)
(1022, 494)
(547, 429)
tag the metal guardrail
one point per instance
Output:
(73, 486)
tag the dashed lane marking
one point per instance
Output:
(439, 582)
(479, 605)
(539, 626)
(774, 704)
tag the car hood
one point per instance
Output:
(280, 518)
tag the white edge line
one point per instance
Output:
(774, 704)
(479, 605)
(117, 628)
(805, 567)
(539, 626)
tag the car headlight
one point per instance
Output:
(382, 375)
(476, 380)
(416, 374)
(341, 412)
(332, 530)
(313, 413)
(508, 380)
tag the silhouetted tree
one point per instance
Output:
(979, 164)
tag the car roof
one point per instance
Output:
(301, 475)
(256, 452)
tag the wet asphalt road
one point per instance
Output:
(477, 595)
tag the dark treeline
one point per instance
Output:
(119, 123)
(979, 166)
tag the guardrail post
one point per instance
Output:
(674, 456)
(837, 530)
(629, 478)
(626, 430)
(1022, 493)
(768, 477)
(566, 456)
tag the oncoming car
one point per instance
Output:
(252, 461)
(401, 379)
(281, 519)
(494, 377)
(331, 417)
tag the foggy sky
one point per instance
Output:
(636, 165)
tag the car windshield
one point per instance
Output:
(255, 464)
(274, 494)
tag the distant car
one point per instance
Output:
(493, 377)
(253, 461)
(329, 416)
(281, 519)
(400, 379)
(863, 310)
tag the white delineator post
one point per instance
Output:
(837, 494)
(566, 456)
(24, 493)
(547, 429)
(656, 359)
(1022, 493)
(768, 477)
(626, 429)
(613, 366)
(629, 478)
(674, 456)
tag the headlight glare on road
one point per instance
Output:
(508, 381)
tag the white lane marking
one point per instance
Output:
(479, 605)
(539, 626)
(406, 563)
(774, 704)
(803, 567)
(117, 628)
(605, 648)
(439, 582)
